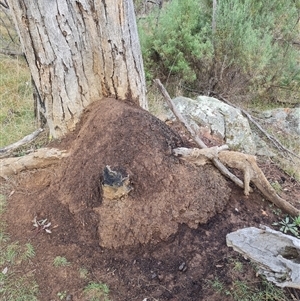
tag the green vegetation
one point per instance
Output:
(250, 55)
(174, 41)
(289, 225)
(16, 101)
(265, 291)
(244, 291)
(60, 261)
(15, 258)
(83, 273)
(217, 285)
(62, 295)
(96, 292)
(276, 186)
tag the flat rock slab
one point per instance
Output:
(276, 254)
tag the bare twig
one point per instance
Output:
(6, 151)
(196, 138)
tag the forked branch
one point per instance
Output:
(196, 138)
(243, 162)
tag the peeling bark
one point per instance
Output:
(78, 52)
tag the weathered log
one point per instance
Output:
(41, 158)
(277, 255)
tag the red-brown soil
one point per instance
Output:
(147, 245)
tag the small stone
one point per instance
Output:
(182, 267)
(69, 298)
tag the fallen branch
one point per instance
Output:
(199, 156)
(196, 138)
(275, 141)
(41, 158)
(6, 151)
(244, 162)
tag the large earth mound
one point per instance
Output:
(166, 192)
(168, 195)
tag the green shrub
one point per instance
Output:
(254, 39)
(251, 52)
(174, 39)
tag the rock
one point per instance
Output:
(276, 254)
(182, 267)
(262, 148)
(219, 121)
(285, 119)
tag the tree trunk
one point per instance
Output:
(78, 52)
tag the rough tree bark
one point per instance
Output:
(78, 52)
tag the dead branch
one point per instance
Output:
(243, 162)
(199, 142)
(277, 144)
(200, 157)
(6, 151)
(41, 158)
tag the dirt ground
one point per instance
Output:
(148, 245)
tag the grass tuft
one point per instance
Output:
(60, 261)
(96, 292)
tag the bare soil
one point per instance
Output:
(165, 241)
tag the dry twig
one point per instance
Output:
(277, 144)
(6, 151)
(196, 138)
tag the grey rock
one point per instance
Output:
(262, 148)
(276, 254)
(223, 122)
(182, 267)
(285, 119)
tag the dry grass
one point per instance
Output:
(16, 102)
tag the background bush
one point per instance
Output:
(253, 53)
